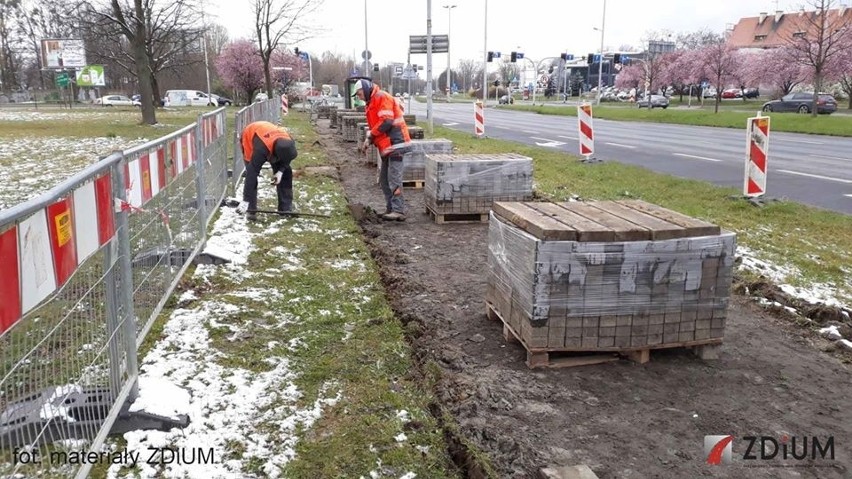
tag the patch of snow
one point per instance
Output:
(831, 332)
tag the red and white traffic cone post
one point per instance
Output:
(757, 154)
(478, 120)
(586, 132)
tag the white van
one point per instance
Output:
(188, 98)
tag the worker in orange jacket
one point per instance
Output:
(262, 141)
(389, 133)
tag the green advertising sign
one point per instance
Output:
(91, 75)
(62, 80)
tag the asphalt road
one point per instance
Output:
(811, 169)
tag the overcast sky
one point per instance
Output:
(539, 29)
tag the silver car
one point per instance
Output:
(657, 101)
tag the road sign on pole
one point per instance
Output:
(757, 154)
(62, 79)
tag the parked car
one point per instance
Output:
(732, 93)
(751, 93)
(187, 98)
(506, 100)
(802, 102)
(222, 101)
(116, 100)
(657, 101)
(261, 96)
(709, 92)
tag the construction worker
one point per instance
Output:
(262, 141)
(389, 133)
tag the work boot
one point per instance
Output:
(393, 216)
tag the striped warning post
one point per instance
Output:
(284, 104)
(757, 152)
(42, 252)
(584, 125)
(478, 119)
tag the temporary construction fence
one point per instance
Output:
(86, 269)
(266, 110)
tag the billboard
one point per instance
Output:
(63, 53)
(91, 75)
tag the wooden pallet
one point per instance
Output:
(458, 218)
(562, 358)
(416, 184)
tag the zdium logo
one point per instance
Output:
(717, 449)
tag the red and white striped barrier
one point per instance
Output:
(584, 125)
(757, 153)
(478, 119)
(39, 254)
(284, 104)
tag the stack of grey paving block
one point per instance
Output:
(349, 124)
(324, 111)
(361, 128)
(336, 115)
(470, 183)
(608, 276)
(410, 120)
(416, 133)
(414, 162)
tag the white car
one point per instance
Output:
(116, 100)
(261, 96)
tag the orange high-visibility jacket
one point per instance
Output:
(381, 107)
(267, 132)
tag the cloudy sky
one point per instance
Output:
(539, 29)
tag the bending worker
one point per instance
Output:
(389, 133)
(262, 141)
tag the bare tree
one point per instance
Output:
(697, 39)
(818, 41)
(276, 22)
(173, 39)
(7, 56)
(466, 69)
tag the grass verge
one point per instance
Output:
(815, 244)
(835, 125)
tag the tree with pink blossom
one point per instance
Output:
(240, 67)
(718, 62)
(680, 70)
(776, 68)
(844, 69)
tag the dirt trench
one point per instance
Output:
(622, 419)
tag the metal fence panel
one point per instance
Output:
(87, 268)
(266, 110)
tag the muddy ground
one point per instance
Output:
(622, 419)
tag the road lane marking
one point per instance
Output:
(567, 137)
(530, 132)
(819, 177)
(548, 142)
(831, 157)
(620, 145)
(696, 157)
(801, 141)
(848, 196)
(451, 124)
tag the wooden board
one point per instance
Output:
(694, 227)
(622, 229)
(660, 229)
(533, 222)
(587, 229)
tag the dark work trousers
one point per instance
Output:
(390, 178)
(284, 189)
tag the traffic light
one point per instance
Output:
(514, 57)
(296, 51)
(563, 56)
(616, 58)
(590, 58)
(490, 56)
(375, 67)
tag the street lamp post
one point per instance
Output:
(485, 59)
(449, 72)
(600, 64)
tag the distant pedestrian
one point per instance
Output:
(262, 141)
(389, 133)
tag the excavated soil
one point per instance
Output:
(622, 419)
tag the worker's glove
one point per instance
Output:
(242, 208)
(276, 179)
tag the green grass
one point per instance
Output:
(728, 117)
(816, 242)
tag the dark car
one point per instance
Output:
(802, 102)
(751, 93)
(657, 101)
(222, 101)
